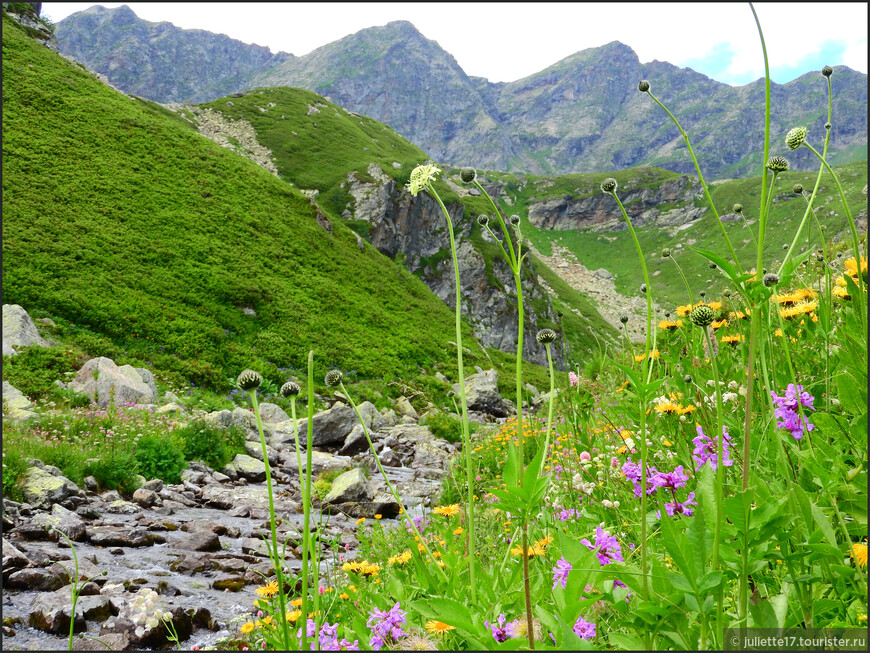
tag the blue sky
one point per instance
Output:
(508, 41)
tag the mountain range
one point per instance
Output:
(582, 114)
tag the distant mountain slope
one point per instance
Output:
(162, 248)
(582, 114)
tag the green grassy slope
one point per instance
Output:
(616, 252)
(146, 241)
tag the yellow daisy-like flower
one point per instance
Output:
(270, 589)
(459, 531)
(370, 569)
(421, 176)
(667, 406)
(360, 520)
(448, 511)
(732, 340)
(247, 628)
(435, 627)
(625, 434)
(344, 595)
(670, 325)
(841, 293)
(718, 324)
(293, 616)
(265, 621)
(378, 516)
(401, 559)
(296, 603)
(778, 333)
(683, 311)
(687, 410)
(850, 267)
(859, 551)
(653, 355)
(715, 305)
(739, 315)
(354, 566)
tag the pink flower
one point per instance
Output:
(584, 456)
(573, 379)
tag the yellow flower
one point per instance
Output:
(654, 354)
(732, 340)
(247, 628)
(448, 511)
(421, 176)
(294, 616)
(265, 621)
(841, 293)
(370, 568)
(683, 311)
(354, 566)
(688, 410)
(378, 516)
(739, 315)
(360, 520)
(859, 551)
(670, 325)
(458, 531)
(850, 267)
(400, 559)
(296, 603)
(778, 333)
(667, 406)
(435, 627)
(344, 595)
(715, 305)
(716, 324)
(271, 589)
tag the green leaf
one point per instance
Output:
(724, 265)
(824, 524)
(626, 642)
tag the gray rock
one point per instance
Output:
(389, 458)
(405, 408)
(331, 426)
(147, 498)
(122, 507)
(200, 541)
(107, 536)
(272, 413)
(350, 486)
(171, 407)
(67, 522)
(13, 558)
(355, 442)
(320, 462)
(255, 450)
(126, 382)
(481, 393)
(18, 329)
(41, 489)
(107, 642)
(170, 397)
(246, 467)
(155, 485)
(91, 484)
(40, 580)
(19, 407)
(442, 378)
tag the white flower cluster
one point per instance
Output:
(145, 611)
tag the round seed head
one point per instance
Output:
(609, 185)
(249, 380)
(667, 314)
(737, 208)
(702, 316)
(820, 258)
(643, 86)
(777, 163)
(785, 245)
(333, 377)
(289, 389)
(726, 293)
(546, 336)
(795, 137)
(623, 319)
(687, 379)
(643, 287)
(797, 189)
(712, 265)
(514, 219)
(703, 294)
(666, 253)
(827, 71)
(828, 125)
(483, 220)
(468, 175)
(770, 279)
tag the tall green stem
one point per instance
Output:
(306, 499)
(466, 436)
(276, 558)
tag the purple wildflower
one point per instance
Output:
(560, 572)
(386, 626)
(634, 471)
(584, 629)
(682, 508)
(670, 480)
(787, 410)
(568, 513)
(705, 450)
(606, 546)
(499, 632)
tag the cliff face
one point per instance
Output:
(582, 114)
(414, 228)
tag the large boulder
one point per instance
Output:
(481, 394)
(41, 489)
(320, 462)
(352, 486)
(100, 377)
(272, 413)
(19, 330)
(63, 520)
(16, 406)
(247, 467)
(330, 427)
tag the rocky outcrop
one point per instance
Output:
(16, 406)
(481, 394)
(415, 228)
(19, 330)
(103, 381)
